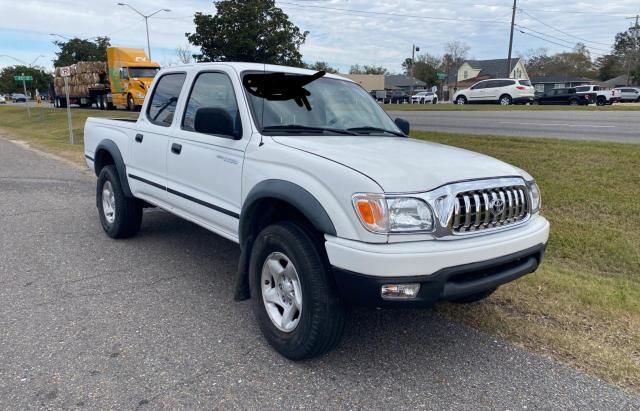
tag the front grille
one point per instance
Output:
(481, 209)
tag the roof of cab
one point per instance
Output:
(241, 67)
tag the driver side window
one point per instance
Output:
(212, 107)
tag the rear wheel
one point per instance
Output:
(573, 102)
(295, 300)
(601, 101)
(435, 100)
(120, 216)
(505, 100)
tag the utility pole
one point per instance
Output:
(412, 72)
(513, 21)
(636, 48)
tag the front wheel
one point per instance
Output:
(120, 216)
(573, 102)
(461, 100)
(295, 300)
(601, 102)
(130, 104)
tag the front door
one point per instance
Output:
(147, 167)
(206, 153)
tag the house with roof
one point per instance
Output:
(472, 71)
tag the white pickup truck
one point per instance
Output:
(329, 200)
(604, 95)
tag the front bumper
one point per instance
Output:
(361, 268)
(447, 284)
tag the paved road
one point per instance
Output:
(620, 126)
(149, 323)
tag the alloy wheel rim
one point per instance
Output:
(108, 202)
(281, 292)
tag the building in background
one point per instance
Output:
(472, 71)
(388, 82)
(543, 84)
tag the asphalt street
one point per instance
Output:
(602, 125)
(150, 323)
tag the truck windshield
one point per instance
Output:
(143, 72)
(314, 105)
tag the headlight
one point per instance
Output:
(382, 214)
(536, 199)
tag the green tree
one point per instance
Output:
(608, 66)
(627, 49)
(425, 68)
(75, 50)
(357, 69)
(41, 79)
(321, 66)
(571, 63)
(250, 31)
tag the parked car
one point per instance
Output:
(329, 200)
(502, 91)
(424, 97)
(396, 97)
(2, 99)
(18, 98)
(565, 96)
(629, 94)
(604, 95)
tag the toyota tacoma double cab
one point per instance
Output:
(330, 201)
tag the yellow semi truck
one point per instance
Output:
(122, 81)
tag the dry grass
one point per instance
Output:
(48, 130)
(583, 305)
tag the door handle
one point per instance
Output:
(139, 137)
(176, 148)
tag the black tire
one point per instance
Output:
(128, 211)
(130, 104)
(505, 100)
(474, 297)
(461, 100)
(434, 101)
(574, 102)
(601, 101)
(322, 318)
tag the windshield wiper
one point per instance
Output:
(297, 128)
(370, 130)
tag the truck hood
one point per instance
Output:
(400, 164)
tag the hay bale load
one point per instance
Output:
(84, 75)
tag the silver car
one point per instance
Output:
(629, 94)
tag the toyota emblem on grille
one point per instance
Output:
(496, 206)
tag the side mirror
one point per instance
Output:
(403, 125)
(209, 120)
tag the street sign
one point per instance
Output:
(441, 76)
(65, 71)
(434, 89)
(23, 78)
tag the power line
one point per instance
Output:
(386, 14)
(553, 42)
(571, 44)
(560, 31)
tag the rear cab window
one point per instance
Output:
(525, 83)
(164, 100)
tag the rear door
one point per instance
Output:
(492, 90)
(206, 153)
(147, 169)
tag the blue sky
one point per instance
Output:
(342, 32)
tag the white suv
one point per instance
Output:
(424, 97)
(502, 91)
